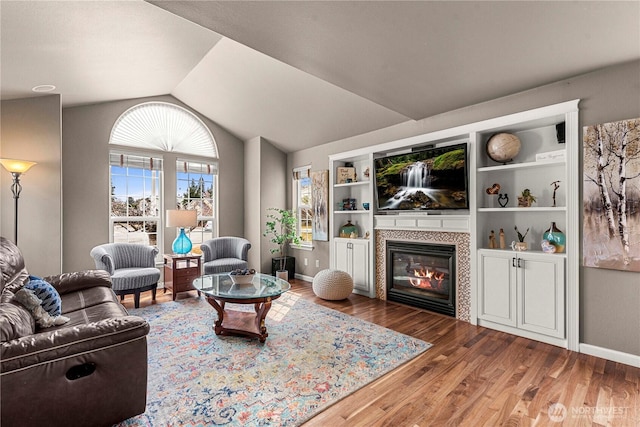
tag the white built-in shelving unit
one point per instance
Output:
(532, 293)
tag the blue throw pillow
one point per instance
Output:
(50, 297)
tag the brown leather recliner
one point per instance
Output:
(90, 371)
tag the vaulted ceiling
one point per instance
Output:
(305, 73)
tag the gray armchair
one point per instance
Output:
(225, 254)
(132, 268)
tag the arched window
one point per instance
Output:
(149, 140)
(163, 127)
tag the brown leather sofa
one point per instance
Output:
(90, 371)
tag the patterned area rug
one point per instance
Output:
(313, 357)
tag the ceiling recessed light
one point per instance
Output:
(43, 88)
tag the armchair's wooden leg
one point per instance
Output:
(136, 299)
(153, 294)
(121, 297)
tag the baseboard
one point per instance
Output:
(303, 277)
(613, 355)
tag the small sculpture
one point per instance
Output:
(502, 242)
(556, 185)
(492, 240)
(526, 199)
(494, 189)
(503, 200)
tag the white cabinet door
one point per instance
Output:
(541, 299)
(352, 256)
(360, 265)
(497, 287)
(341, 256)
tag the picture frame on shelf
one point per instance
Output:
(345, 174)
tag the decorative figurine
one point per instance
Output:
(526, 199)
(494, 189)
(503, 200)
(556, 185)
(502, 242)
(492, 240)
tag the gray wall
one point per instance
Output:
(265, 177)
(609, 302)
(253, 200)
(31, 130)
(273, 176)
(85, 161)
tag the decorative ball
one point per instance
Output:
(503, 147)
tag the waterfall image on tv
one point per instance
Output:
(431, 179)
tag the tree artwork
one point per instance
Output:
(612, 195)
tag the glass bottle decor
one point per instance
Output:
(556, 237)
(347, 229)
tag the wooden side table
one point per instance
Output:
(180, 271)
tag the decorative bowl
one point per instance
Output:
(241, 279)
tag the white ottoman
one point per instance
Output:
(332, 284)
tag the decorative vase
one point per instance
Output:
(347, 229)
(556, 237)
(182, 244)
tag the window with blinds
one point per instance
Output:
(197, 187)
(302, 203)
(136, 191)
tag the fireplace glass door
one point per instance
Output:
(422, 274)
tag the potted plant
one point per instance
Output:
(281, 228)
(520, 245)
(526, 199)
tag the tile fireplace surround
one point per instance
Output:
(411, 229)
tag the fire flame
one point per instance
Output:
(426, 279)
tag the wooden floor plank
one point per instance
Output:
(473, 376)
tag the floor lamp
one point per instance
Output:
(17, 168)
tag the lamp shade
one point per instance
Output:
(182, 218)
(16, 166)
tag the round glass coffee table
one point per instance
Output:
(220, 289)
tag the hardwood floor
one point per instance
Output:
(473, 376)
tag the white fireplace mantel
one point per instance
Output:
(450, 223)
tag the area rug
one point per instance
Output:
(313, 357)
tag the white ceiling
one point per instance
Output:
(305, 73)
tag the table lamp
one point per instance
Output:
(17, 168)
(182, 219)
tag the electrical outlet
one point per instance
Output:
(317, 263)
(306, 261)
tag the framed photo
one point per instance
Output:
(345, 174)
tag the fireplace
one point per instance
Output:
(422, 275)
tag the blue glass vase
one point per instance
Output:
(182, 244)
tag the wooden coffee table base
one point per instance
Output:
(233, 322)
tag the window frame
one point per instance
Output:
(156, 167)
(300, 175)
(207, 168)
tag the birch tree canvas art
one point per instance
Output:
(611, 195)
(320, 202)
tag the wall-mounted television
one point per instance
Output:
(432, 179)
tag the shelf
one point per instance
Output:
(351, 184)
(359, 211)
(522, 165)
(528, 251)
(531, 209)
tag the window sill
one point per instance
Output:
(301, 247)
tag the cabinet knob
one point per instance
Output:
(513, 262)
